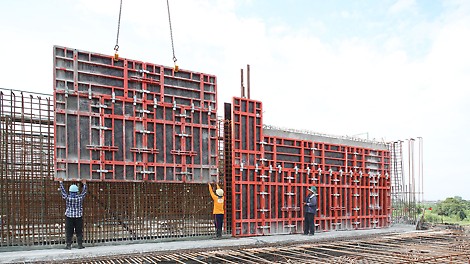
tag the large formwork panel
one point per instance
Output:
(271, 175)
(354, 185)
(288, 165)
(127, 120)
(247, 187)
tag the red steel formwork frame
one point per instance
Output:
(249, 194)
(127, 120)
(271, 171)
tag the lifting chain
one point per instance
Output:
(171, 35)
(116, 47)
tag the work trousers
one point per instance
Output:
(309, 224)
(71, 225)
(219, 222)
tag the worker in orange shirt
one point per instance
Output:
(218, 211)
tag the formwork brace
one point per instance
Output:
(102, 148)
(143, 111)
(285, 209)
(183, 152)
(99, 106)
(145, 172)
(144, 150)
(100, 127)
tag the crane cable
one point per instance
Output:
(171, 36)
(116, 47)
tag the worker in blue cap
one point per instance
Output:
(73, 213)
(310, 209)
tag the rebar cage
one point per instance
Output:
(32, 210)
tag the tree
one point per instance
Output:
(455, 206)
(462, 215)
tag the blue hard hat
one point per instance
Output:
(73, 188)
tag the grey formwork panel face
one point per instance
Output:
(127, 120)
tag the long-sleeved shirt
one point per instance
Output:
(311, 204)
(73, 203)
(218, 201)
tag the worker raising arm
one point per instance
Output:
(218, 210)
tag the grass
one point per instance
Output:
(432, 217)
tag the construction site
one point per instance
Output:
(148, 139)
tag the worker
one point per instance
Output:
(218, 210)
(310, 209)
(73, 213)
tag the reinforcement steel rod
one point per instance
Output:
(192, 257)
(213, 255)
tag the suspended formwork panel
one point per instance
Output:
(127, 120)
(272, 168)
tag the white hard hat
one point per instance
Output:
(219, 192)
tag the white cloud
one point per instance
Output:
(402, 5)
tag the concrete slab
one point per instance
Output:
(58, 253)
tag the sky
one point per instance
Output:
(384, 70)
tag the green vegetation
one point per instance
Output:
(453, 210)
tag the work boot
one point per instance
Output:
(68, 246)
(80, 246)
